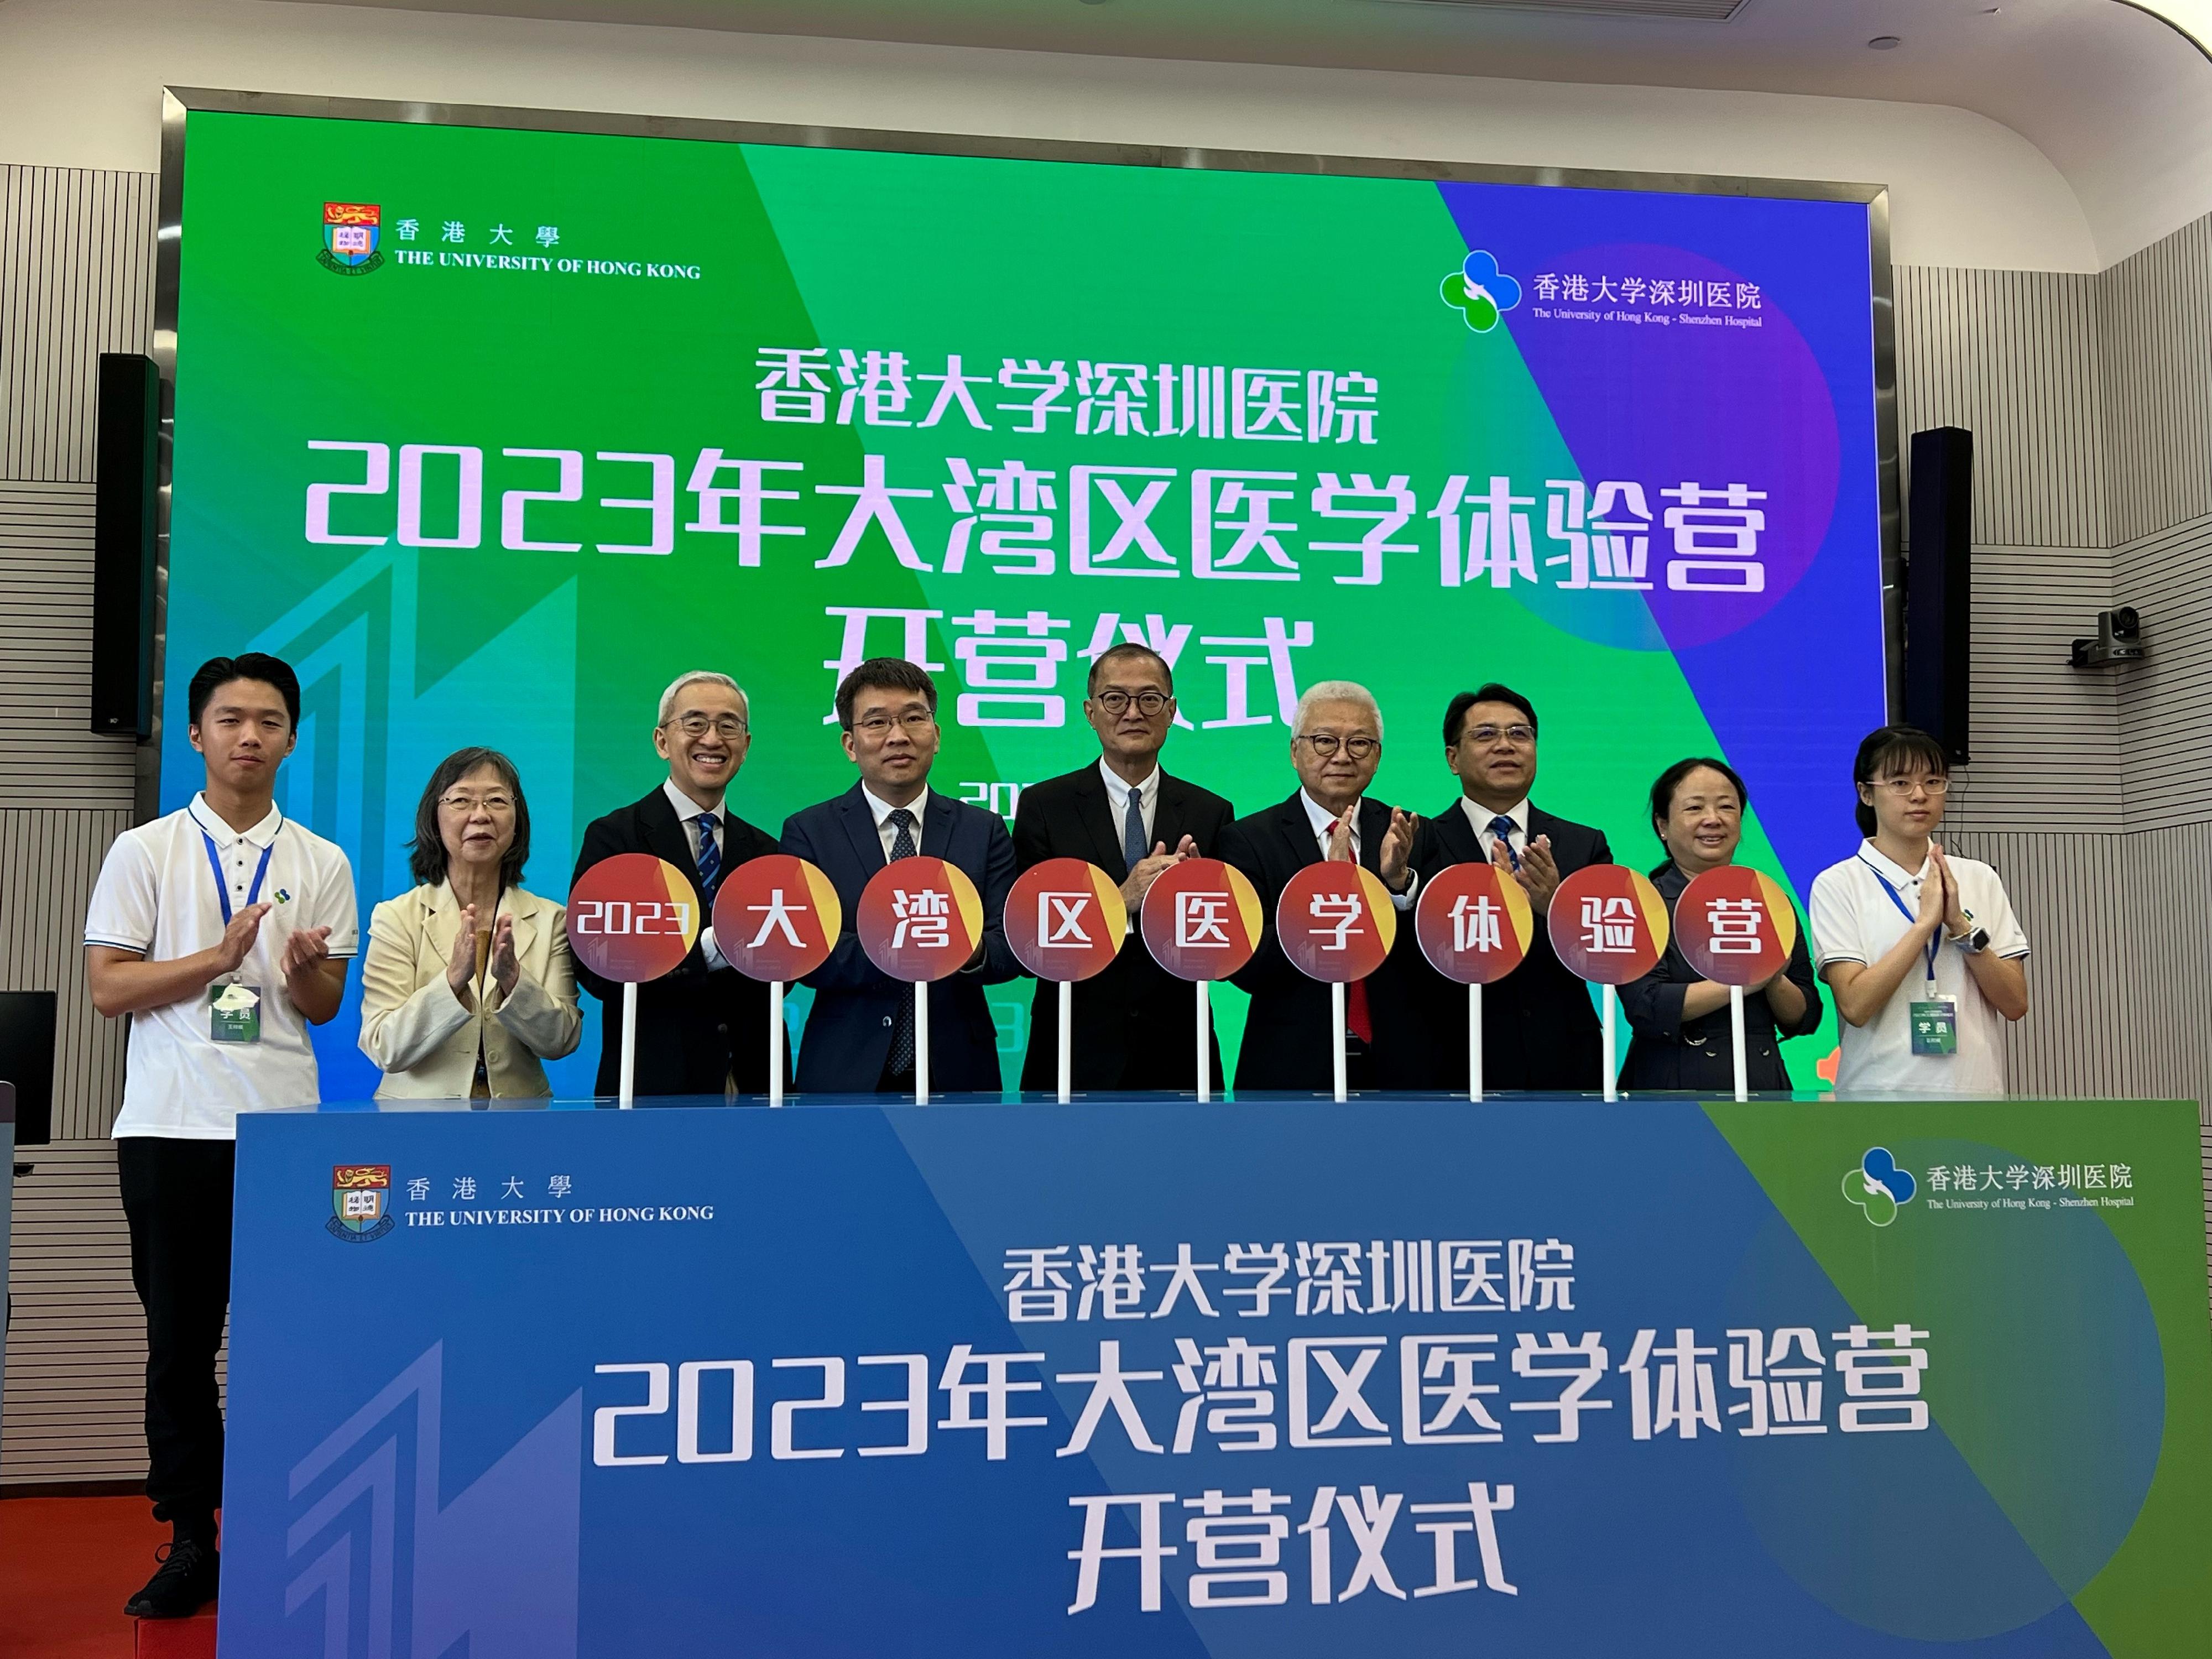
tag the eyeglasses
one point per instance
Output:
(1325, 746)
(1899, 789)
(879, 725)
(1148, 703)
(495, 805)
(1519, 736)
(697, 725)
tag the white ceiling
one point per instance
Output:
(2119, 100)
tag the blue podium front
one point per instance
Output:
(1278, 1377)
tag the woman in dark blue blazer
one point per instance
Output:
(1681, 1020)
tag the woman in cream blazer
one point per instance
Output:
(467, 984)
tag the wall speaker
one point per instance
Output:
(123, 545)
(27, 1061)
(1938, 593)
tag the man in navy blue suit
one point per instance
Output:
(860, 1034)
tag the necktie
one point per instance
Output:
(1502, 828)
(710, 856)
(1132, 831)
(902, 1060)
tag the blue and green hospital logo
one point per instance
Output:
(1480, 292)
(1879, 1187)
(360, 1202)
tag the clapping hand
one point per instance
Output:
(461, 969)
(506, 968)
(1152, 866)
(1539, 872)
(1397, 848)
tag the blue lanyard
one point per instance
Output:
(260, 871)
(1934, 940)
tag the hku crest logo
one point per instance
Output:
(1879, 1187)
(360, 1202)
(1480, 292)
(350, 238)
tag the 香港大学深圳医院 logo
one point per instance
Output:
(360, 1202)
(1879, 1187)
(1480, 292)
(349, 236)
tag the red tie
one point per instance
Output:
(1355, 1011)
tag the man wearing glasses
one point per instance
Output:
(702, 1030)
(1288, 1041)
(860, 1036)
(1539, 1029)
(1135, 1024)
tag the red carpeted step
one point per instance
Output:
(177, 1638)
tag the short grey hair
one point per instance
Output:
(1335, 691)
(697, 677)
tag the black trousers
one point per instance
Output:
(177, 1197)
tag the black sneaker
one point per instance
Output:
(183, 1584)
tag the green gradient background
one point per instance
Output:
(558, 658)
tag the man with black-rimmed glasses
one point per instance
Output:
(1135, 1025)
(702, 1029)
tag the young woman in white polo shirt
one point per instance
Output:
(1921, 948)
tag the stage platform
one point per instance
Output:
(1283, 1375)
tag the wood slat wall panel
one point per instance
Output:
(2156, 332)
(76, 279)
(49, 756)
(2013, 356)
(51, 859)
(2162, 699)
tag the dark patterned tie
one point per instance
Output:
(1132, 831)
(903, 847)
(710, 856)
(1502, 828)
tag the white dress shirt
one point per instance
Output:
(1324, 828)
(1480, 818)
(886, 831)
(1853, 919)
(1118, 791)
(156, 895)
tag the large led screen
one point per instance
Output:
(494, 432)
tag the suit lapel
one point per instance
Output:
(1169, 822)
(861, 829)
(1298, 831)
(1095, 807)
(665, 836)
(523, 909)
(937, 820)
(1373, 825)
(1457, 836)
(441, 924)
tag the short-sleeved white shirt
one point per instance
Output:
(1854, 920)
(156, 895)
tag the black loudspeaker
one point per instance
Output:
(123, 545)
(27, 1061)
(1938, 594)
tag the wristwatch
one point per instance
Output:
(1974, 940)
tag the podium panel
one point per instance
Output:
(1276, 1377)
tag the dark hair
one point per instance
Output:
(1662, 791)
(253, 666)
(1455, 711)
(426, 854)
(1891, 749)
(1127, 648)
(882, 674)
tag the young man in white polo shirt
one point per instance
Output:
(224, 929)
(1922, 949)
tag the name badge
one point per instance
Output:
(1935, 1026)
(234, 1013)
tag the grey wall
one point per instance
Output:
(2091, 402)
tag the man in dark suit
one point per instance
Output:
(860, 1034)
(1136, 1024)
(1336, 745)
(1539, 1029)
(702, 1030)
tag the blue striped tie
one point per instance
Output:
(1502, 828)
(710, 856)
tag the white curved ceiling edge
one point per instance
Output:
(2116, 93)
